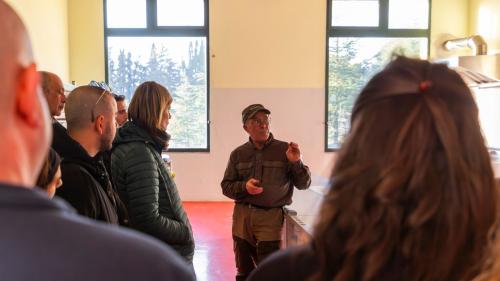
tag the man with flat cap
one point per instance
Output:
(260, 177)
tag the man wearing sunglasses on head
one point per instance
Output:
(90, 116)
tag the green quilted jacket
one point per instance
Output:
(148, 191)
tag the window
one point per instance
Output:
(165, 41)
(363, 35)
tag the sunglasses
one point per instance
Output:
(101, 85)
(105, 88)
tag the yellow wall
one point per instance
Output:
(485, 21)
(47, 24)
(449, 20)
(254, 44)
(265, 44)
(86, 37)
(461, 18)
(268, 44)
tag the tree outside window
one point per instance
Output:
(168, 44)
(363, 35)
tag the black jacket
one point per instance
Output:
(148, 190)
(59, 136)
(86, 185)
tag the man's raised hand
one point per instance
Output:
(293, 152)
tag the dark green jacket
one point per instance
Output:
(148, 191)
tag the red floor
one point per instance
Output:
(213, 256)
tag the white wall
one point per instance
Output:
(297, 115)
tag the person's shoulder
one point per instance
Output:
(131, 149)
(78, 184)
(58, 128)
(279, 142)
(294, 263)
(73, 171)
(77, 248)
(138, 256)
(60, 138)
(242, 148)
(278, 145)
(132, 144)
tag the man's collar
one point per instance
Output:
(268, 141)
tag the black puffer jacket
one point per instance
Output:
(86, 185)
(148, 191)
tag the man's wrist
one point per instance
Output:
(244, 189)
(296, 161)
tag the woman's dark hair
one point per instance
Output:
(49, 169)
(413, 193)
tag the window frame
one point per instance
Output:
(153, 30)
(360, 31)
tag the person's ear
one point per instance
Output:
(28, 104)
(245, 127)
(99, 124)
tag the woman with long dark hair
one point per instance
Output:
(412, 195)
(141, 178)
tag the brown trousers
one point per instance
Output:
(256, 234)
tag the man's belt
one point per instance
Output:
(253, 206)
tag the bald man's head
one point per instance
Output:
(53, 90)
(26, 129)
(15, 53)
(85, 103)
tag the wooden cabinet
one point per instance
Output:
(294, 231)
(301, 215)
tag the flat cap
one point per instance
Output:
(251, 110)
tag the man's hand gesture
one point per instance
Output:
(253, 187)
(293, 152)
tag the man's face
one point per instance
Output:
(121, 115)
(55, 96)
(109, 127)
(258, 127)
